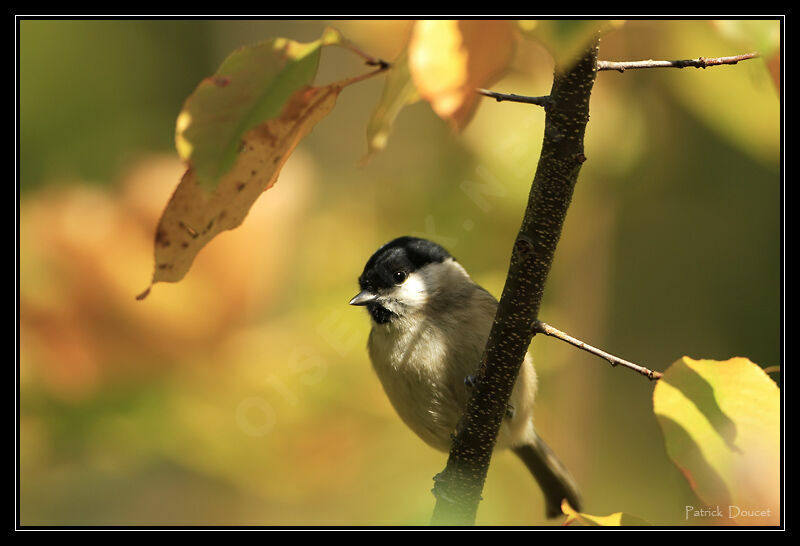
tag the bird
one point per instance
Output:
(429, 325)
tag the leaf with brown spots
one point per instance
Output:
(213, 197)
(194, 215)
(252, 85)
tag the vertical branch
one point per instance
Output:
(458, 487)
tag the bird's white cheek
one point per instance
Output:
(412, 292)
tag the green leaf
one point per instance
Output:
(253, 85)
(755, 132)
(762, 35)
(721, 424)
(565, 39)
(398, 91)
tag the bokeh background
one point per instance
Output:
(243, 395)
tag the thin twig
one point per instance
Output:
(369, 60)
(500, 97)
(544, 328)
(700, 62)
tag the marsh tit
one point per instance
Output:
(430, 322)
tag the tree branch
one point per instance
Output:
(622, 66)
(540, 327)
(700, 62)
(458, 487)
(500, 97)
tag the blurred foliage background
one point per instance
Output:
(244, 395)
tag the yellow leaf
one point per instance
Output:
(721, 424)
(617, 519)
(449, 60)
(398, 91)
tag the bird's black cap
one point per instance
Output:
(402, 254)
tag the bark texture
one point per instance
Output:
(458, 487)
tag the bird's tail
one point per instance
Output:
(553, 477)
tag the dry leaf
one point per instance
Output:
(195, 214)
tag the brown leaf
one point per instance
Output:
(194, 215)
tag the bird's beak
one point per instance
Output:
(363, 298)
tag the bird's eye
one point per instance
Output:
(399, 277)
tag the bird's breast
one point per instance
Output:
(413, 368)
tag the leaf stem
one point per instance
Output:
(369, 60)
